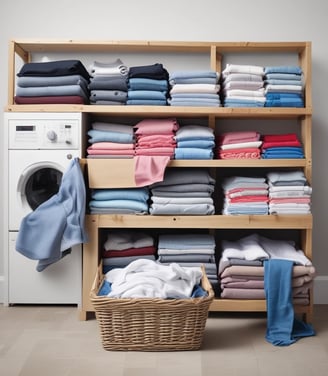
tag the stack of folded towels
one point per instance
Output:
(194, 88)
(279, 146)
(245, 195)
(241, 269)
(284, 86)
(53, 82)
(108, 83)
(123, 247)
(111, 140)
(189, 250)
(243, 86)
(156, 137)
(148, 85)
(119, 201)
(238, 145)
(184, 191)
(194, 142)
(289, 192)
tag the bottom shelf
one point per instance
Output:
(234, 305)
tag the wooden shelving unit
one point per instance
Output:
(119, 173)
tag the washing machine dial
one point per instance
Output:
(52, 135)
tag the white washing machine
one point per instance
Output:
(40, 148)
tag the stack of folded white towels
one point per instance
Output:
(289, 192)
(243, 86)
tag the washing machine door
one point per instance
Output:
(38, 183)
(34, 176)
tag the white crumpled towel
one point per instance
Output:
(148, 279)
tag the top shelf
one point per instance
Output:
(26, 48)
(70, 45)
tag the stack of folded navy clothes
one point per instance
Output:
(108, 83)
(283, 86)
(54, 82)
(194, 88)
(148, 85)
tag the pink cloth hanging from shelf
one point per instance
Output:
(149, 169)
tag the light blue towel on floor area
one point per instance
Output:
(283, 328)
(57, 224)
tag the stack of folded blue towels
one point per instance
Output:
(283, 86)
(194, 88)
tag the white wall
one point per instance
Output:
(206, 20)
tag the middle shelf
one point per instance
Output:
(287, 221)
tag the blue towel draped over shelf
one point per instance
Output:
(283, 328)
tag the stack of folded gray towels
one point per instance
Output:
(108, 83)
(184, 191)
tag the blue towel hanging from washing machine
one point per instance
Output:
(48, 233)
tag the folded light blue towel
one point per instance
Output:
(283, 328)
(47, 233)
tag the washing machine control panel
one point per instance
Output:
(47, 134)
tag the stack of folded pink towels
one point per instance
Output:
(238, 145)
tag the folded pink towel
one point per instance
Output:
(242, 153)
(235, 137)
(110, 152)
(111, 146)
(149, 169)
(156, 126)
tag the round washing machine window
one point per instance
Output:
(41, 185)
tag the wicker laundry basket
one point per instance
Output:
(151, 324)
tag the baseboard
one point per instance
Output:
(320, 289)
(2, 289)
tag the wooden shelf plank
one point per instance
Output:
(239, 305)
(162, 111)
(286, 221)
(71, 45)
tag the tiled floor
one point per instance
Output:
(51, 340)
